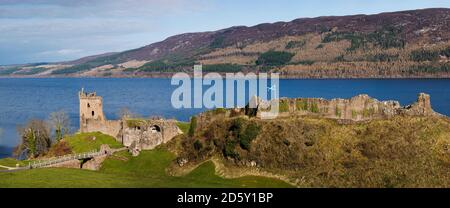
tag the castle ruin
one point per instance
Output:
(136, 133)
(143, 134)
(358, 108)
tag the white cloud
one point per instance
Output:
(60, 52)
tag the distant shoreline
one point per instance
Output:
(281, 77)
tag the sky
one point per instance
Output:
(59, 30)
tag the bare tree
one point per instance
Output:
(60, 124)
(35, 138)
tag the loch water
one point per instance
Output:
(22, 99)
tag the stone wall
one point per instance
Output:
(94, 163)
(68, 164)
(358, 108)
(144, 134)
(109, 127)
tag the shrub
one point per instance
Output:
(193, 126)
(368, 112)
(424, 55)
(340, 58)
(295, 44)
(357, 40)
(135, 123)
(382, 57)
(229, 150)
(218, 42)
(354, 114)
(286, 142)
(250, 133)
(305, 62)
(274, 58)
(430, 68)
(387, 37)
(198, 145)
(446, 52)
(173, 64)
(222, 68)
(59, 149)
(314, 108)
(384, 38)
(218, 111)
(284, 106)
(237, 126)
(338, 112)
(301, 104)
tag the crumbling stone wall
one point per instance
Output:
(108, 127)
(358, 108)
(144, 134)
(94, 163)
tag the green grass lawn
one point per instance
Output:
(85, 142)
(123, 170)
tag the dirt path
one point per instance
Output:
(6, 167)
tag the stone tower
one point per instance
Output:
(91, 109)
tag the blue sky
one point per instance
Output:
(58, 30)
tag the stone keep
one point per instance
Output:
(91, 109)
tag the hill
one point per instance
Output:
(402, 151)
(398, 44)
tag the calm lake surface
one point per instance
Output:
(23, 99)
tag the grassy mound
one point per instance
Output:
(123, 170)
(85, 142)
(397, 152)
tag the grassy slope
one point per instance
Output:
(146, 170)
(84, 142)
